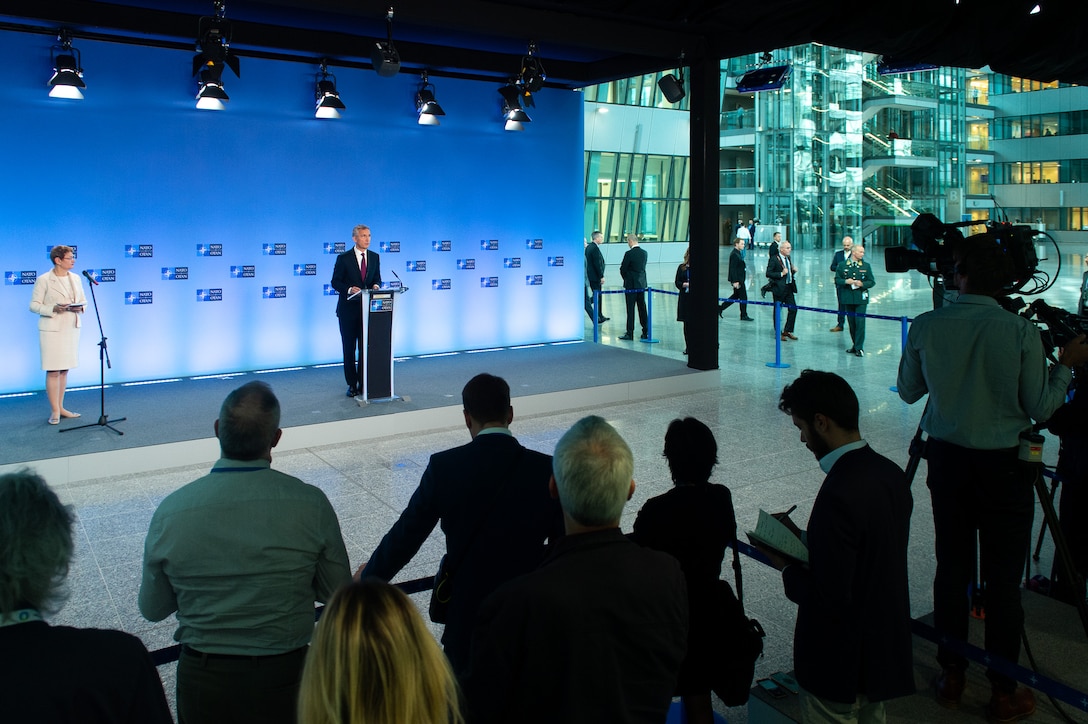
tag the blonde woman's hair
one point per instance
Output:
(373, 661)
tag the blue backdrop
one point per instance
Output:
(214, 233)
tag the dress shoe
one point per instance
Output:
(763, 292)
(352, 392)
(785, 338)
(747, 319)
(859, 352)
(836, 328)
(949, 684)
(790, 335)
(627, 336)
(644, 336)
(1010, 707)
(851, 351)
(602, 320)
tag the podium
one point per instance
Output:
(376, 383)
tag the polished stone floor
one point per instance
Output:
(761, 458)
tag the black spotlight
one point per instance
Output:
(384, 56)
(672, 87)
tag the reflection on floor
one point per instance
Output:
(761, 458)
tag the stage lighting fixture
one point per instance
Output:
(211, 95)
(213, 53)
(426, 106)
(67, 80)
(328, 100)
(384, 56)
(892, 66)
(512, 112)
(531, 77)
(766, 78)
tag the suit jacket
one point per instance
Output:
(50, 290)
(633, 268)
(779, 285)
(594, 265)
(596, 634)
(838, 258)
(849, 270)
(853, 608)
(492, 499)
(738, 270)
(345, 274)
(683, 301)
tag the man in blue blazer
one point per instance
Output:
(852, 642)
(356, 269)
(492, 499)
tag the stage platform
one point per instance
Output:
(169, 423)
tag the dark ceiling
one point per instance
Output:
(590, 41)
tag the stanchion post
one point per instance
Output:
(649, 292)
(778, 363)
(904, 327)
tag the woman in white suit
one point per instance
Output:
(58, 299)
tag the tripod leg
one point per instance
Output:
(1042, 528)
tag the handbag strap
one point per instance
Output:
(736, 571)
(490, 508)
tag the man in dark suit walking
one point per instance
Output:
(633, 271)
(782, 275)
(356, 269)
(594, 273)
(492, 499)
(852, 641)
(738, 270)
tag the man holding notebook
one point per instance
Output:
(852, 644)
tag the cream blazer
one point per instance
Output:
(50, 290)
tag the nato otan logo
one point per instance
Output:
(488, 282)
(139, 251)
(555, 261)
(534, 243)
(463, 264)
(209, 250)
(245, 271)
(534, 280)
(19, 278)
(277, 249)
(328, 291)
(277, 292)
(103, 276)
(337, 247)
(444, 245)
(511, 262)
(175, 273)
(138, 298)
(440, 284)
(209, 295)
(489, 244)
(389, 247)
(416, 266)
(305, 270)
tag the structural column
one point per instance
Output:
(704, 91)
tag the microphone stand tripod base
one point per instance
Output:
(103, 421)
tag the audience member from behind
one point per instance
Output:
(597, 633)
(491, 496)
(56, 673)
(241, 555)
(374, 661)
(694, 523)
(986, 375)
(852, 641)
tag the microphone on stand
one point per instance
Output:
(90, 277)
(403, 286)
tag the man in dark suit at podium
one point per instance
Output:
(356, 269)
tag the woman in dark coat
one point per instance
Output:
(694, 522)
(683, 302)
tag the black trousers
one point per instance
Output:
(984, 495)
(239, 690)
(351, 335)
(791, 314)
(589, 305)
(739, 295)
(636, 299)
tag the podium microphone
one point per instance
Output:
(402, 284)
(90, 277)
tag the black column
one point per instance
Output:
(704, 93)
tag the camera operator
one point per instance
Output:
(986, 374)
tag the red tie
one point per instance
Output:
(362, 267)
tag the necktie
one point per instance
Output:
(362, 267)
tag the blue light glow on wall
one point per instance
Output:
(230, 219)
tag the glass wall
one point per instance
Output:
(640, 193)
(639, 90)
